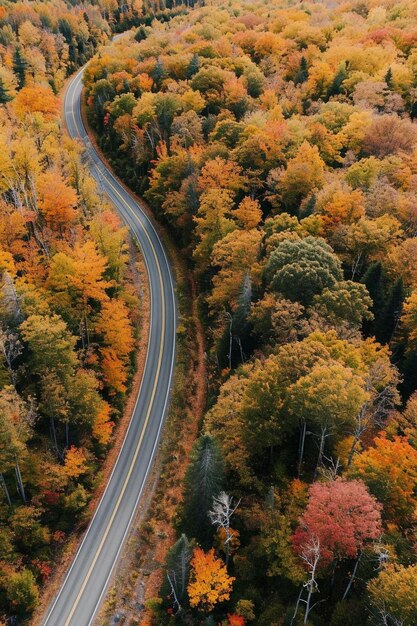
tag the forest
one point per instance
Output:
(277, 142)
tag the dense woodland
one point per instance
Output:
(277, 140)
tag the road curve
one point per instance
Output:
(83, 589)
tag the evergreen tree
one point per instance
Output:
(193, 66)
(240, 318)
(203, 480)
(141, 33)
(19, 67)
(157, 74)
(373, 279)
(308, 208)
(388, 78)
(4, 96)
(178, 571)
(392, 312)
(335, 87)
(302, 73)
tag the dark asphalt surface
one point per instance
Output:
(86, 581)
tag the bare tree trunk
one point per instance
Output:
(352, 578)
(242, 356)
(301, 447)
(20, 482)
(308, 601)
(297, 604)
(4, 487)
(230, 341)
(53, 437)
(173, 593)
(87, 332)
(321, 448)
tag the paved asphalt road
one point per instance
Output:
(85, 584)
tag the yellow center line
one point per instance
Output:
(137, 450)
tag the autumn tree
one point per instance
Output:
(84, 269)
(75, 462)
(22, 592)
(52, 345)
(103, 425)
(213, 222)
(115, 327)
(209, 581)
(394, 594)
(342, 516)
(56, 200)
(37, 99)
(389, 468)
(303, 175)
(236, 256)
(328, 398)
(389, 134)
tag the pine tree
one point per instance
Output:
(335, 87)
(392, 312)
(373, 279)
(203, 480)
(193, 66)
(4, 96)
(388, 78)
(19, 67)
(308, 208)
(240, 318)
(157, 74)
(178, 571)
(302, 73)
(141, 33)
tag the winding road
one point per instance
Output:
(85, 584)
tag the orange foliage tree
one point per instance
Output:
(209, 581)
(57, 199)
(389, 468)
(102, 425)
(75, 462)
(36, 99)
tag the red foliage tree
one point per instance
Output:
(343, 516)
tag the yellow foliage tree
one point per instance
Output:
(57, 199)
(209, 581)
(36, 99)
(114, 325)
(75, 462)
(114, 372)
(102, 425)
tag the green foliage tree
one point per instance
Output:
(391, 312)
(374, 281)
(4, 94)
(19, 66)
(22, 592)
(302, 268)
(203, 481)
(347, 302)
(178, 572)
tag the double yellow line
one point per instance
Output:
(159, 363)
